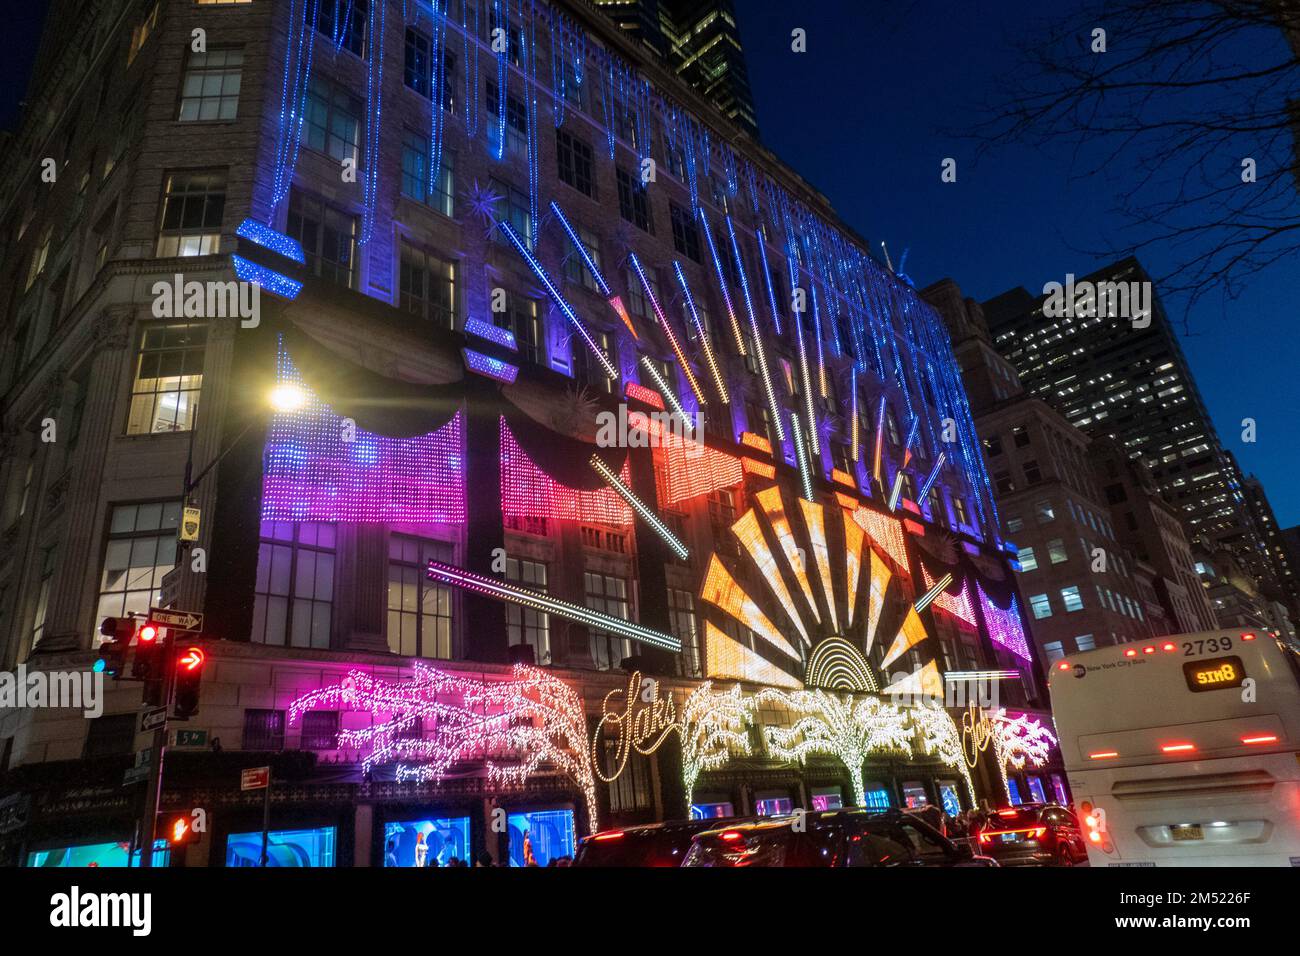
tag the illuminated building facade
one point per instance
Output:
(500, 283)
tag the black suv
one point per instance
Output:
(650, 844)
(1033, 834)
(849, 837)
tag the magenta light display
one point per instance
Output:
(529, 492)
(957, 605)
(319, 467)
(1004, 626)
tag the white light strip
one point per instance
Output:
(640, 507)
(940, 586)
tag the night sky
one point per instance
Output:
(868, 113)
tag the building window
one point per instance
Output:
(1041, 605)
(333, 120)
(1020, 436)
(587, 369)
(1044, 512)
(1033, 474)
(1085, 642)
(419, 610)
(168, 379)
(516, 123)
(993, 445)
(419, 68)
(328, 237)
(526, 625)
(210, 88)
(517, 211)
(427, 286)
(141, 549)
(344, 21)
(608, 595)
(1015, 524)
(638, 303)
(1027, 559)
(1073, 600)
(576, 163)
(320, 730)
(574, 268)
(42, 596)
(630, 790)
(1003, 483)
(686, 237)
(959, 510)
(294, 591)
(263, 730)
(681, 624)
(192, 209)
(521, 318)
(1056, 551)
(415, 175)
(1054, 650)
(110, 735)
(633, 203)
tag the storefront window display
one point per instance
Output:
(877, 796)
(949, 797)
(96, 855)
(426, 842)
(914, 794)
(827, 798)
(1013, 790)
(711, 810)
(539, 837)
(770, 804)
(284, 848)
(1036, 789)
(1058, 788)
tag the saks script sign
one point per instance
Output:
(639, 719)
(976, 734)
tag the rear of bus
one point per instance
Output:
(1184, 750)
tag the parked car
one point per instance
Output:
(1034, 834)
(848, 837)
(650, 844)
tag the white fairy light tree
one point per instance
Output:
(940, 738)
(1017, 741)
(830, 724)
(712, 729)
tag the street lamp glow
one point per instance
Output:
(287, 397)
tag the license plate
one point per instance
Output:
(1192, 832)
(1010, 837)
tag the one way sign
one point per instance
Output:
(176, 620)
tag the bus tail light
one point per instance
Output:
(1131, 652)
(1248, 637)
(1169, 646)
(1149, 649)
(1103, 755)
(1177, 748)
(1063, 666)
(1094, 819)
(1260, 739)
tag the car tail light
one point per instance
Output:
(1037, 832)
(1007, 813)
(731, 836)
(1260, 739)
(984, 837)
(615, 835)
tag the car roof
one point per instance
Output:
(667, 826)
(814, 817)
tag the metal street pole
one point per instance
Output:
(153, 790)
(266, 815)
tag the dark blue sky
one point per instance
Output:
(865, 116)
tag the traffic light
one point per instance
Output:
(147, 661)
(189, 673)
(117, 632)
(178, 829)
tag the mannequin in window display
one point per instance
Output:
(529, 859)
(421, 850)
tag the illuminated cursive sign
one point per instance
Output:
(640, 719)
(976, 734)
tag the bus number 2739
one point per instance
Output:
(1212, 645)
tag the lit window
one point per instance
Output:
(1041, 605)
(193, 206)
(608, 595)
(1085, 642)
(415, 175)
(210, 88)
(141, 549)
(427, 286)
(1056, 551)
(1054, 651)
(1044, 512)
(168, 378)
(1028, 562)
(333, 118)
(526, 625)
(419, 610)
(294, 591)
(1072, 599)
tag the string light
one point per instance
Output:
(801, 457)
(809, 410)
(648, 516)
(849, 730)
(756, 441)
(750, 536)
(712, 730)
(669, 395)
(959, 606)
(940, 738)
(490, 367)
(459, 577)
(491, 332)
(843, 478)
(930, 478)
(268, 238)
(880, 441)
(814, 519)
(1004, 627)
(1018, 741)
(639, 393)
(560, 302)
(529, 492)
(722, 284)
(686, 469)
(936, 588)
(835, 664)
(924, 684)
(721, 589)
(853, 538)
(265, 278)
(855, 427)
(911, 437)
(886, 533)
(727, 658)
(909, 635)
(668, 329)
(769, 500)
(754, 467)
(760, 354)
(316, 469)
(880, 578)
(702, 334)
(767, 279)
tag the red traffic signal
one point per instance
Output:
(147, 634)
(148, 663)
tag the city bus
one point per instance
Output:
(1184, 750)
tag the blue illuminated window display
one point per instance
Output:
(1036, 789)
(877, 797)
(443, 838)
(96, 855)
(771, 806)
(1014, 792)
(949, 798)
(712, 811)
(544, 834)
(284, 848)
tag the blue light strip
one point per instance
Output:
(490, 367)
(934, 474)
(767, 279)
(265, 278)
(268, 238)
(807, 384)
(897, 489)
(722, 284)
(702, 333)
(493, 333)
(581, 250)
(560, 302)
(759, 352)
(668, 330)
